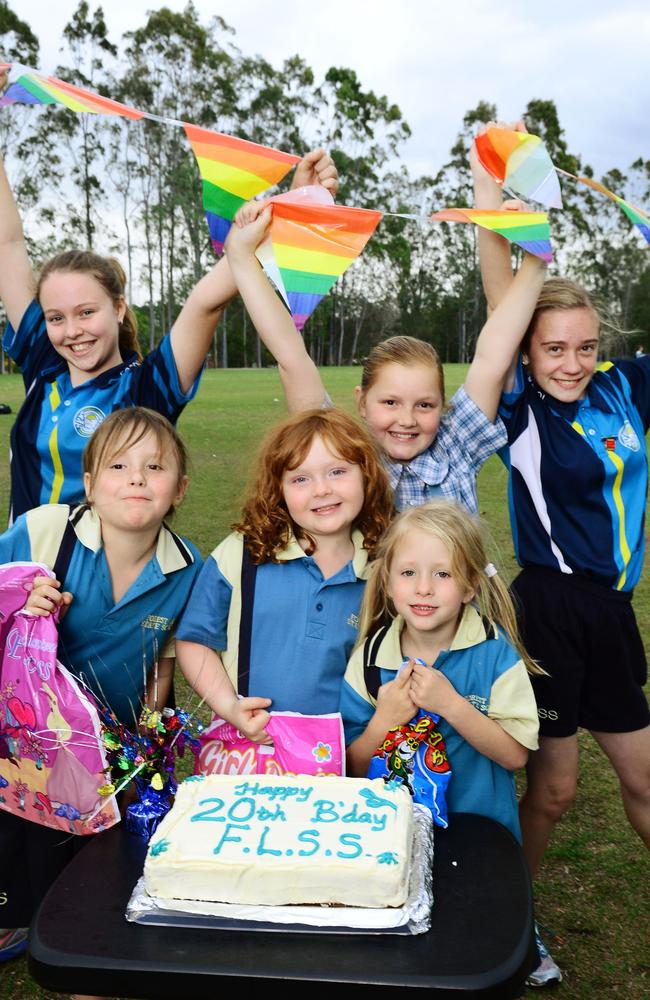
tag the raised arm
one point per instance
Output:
(494, 250)
(501, 336)
(17, 284)
(301, 381)
(193, 331)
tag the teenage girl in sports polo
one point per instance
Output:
(578, 481)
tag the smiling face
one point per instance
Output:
(135, 488)
(402, 408)
(423, 589)
(82, 322)
(324, 494)
(563, 352)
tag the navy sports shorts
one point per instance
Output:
(586, 637)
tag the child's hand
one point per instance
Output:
(486, 188)
(430, 690)
(317, 167)
(250, 211)
(45, 597)
(394, 702)
(245, 237)
(249, 715)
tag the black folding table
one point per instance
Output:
(480, 942)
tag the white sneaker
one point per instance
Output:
(548, 971)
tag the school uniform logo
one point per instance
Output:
(87, 420)
(157, 622)
(628, 437)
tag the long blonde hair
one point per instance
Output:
(462, 535)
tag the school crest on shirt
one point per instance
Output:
(87, 420)
(628, 437)
(157, 622)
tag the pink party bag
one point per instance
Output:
(302, 744)
(52, 758)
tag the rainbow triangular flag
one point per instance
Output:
(529, 230)
(28, 86)
(313, 243)
(636, 215)
(521, 163)
(233, 171)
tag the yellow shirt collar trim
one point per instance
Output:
(171, 551)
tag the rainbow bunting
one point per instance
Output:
(233, 171)
(521, 163)
(27, 86)
(636, 215)
(313, 243)
(529, 230)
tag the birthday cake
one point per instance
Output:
(283, 839)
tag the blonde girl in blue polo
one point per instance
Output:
(434, 600)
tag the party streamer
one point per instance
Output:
(636, 215)
(233, 171)
(529, 230)
(27, 86)
(312, 243)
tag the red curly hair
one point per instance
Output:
(265, 520)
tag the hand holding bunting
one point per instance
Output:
(312, 243)
(521, 163)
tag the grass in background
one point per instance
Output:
(593, 892)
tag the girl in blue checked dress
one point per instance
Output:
(427, 449)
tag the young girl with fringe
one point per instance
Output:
(428, 449)
(434, 600)
(276, 606)
(126, 578)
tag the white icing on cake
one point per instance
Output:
(280, 839)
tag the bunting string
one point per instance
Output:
(312, 241)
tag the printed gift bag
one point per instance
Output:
(52, 758)
(302, 744)
(415, 756)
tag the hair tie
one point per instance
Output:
(490, 570)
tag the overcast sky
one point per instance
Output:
(437, 59)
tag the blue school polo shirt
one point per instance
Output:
(304, 626)
(578, 474)
(485, 669)
(110, 646)
(56, 420)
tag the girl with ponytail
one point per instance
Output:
(438, 625)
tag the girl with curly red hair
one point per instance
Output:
(275, 608)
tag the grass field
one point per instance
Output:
(593, 894)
